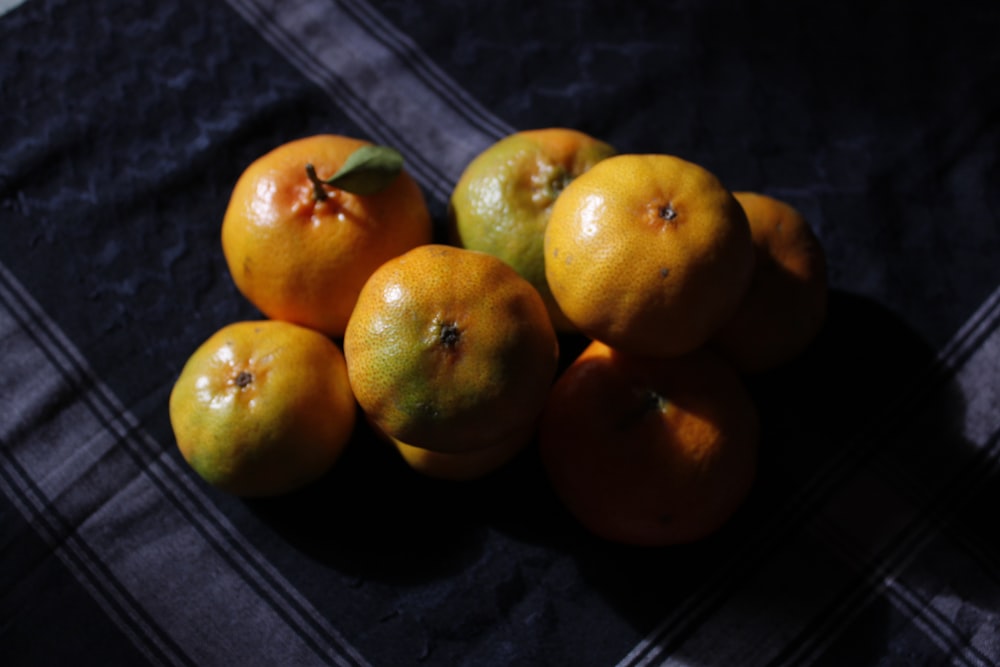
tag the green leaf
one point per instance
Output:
(368, 170)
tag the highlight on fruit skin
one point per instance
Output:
(649, 254)
(502, 202)
(310, 220)
(262, 408)
(784, 307)
(450, 350)
(650, 452)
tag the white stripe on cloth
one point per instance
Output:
(383, 83)
(7, 5)
(874, 543)
(114, 507)
(381, 80)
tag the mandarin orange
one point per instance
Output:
(450, 349)
(263, 407)
(785, 306)
(502, 202)
(466, 465)
(649, 451)
(648, 253)
(299, 249)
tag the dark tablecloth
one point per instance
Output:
(871, 535)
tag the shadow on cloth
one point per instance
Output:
(823, 424)
(373, 516)
(838, 504)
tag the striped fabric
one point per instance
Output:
(871, 535)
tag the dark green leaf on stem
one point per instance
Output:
(367, 171)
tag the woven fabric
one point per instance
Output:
(870, 535)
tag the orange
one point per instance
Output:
(785, 306)
(263, 407)
(450, 349)
(648, 253)
(462, 466)
(465, 465)
(502, 202)
(302, 256)
(650, 452)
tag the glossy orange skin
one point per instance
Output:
(648, 253)
(650, 452)
(304, 260)
(503, 200)
(263, 408)
(785, 306)
(450, 349)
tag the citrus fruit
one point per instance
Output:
(647, 451)
(785, 305)
(465, 465)
(502, 202)
(300, 249)
(263, 407)
(450, 349)
(648, 253)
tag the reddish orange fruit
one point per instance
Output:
(299, 249)
(649, 451)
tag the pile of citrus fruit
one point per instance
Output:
(450, 350)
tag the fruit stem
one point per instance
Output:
(646, 401)
(367, 171)
(654, 401)
(317, 184)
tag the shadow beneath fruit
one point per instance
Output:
(858, 446)
(374, 517)
(862, 453)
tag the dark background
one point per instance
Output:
(125, 125)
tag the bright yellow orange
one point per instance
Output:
(263, 408)
(785, 306)
(450, 349)
(648, 253)
(650, 452)
(301, 256)
(502, 202)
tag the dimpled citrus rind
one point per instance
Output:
(650, 452)
(502, 201)
(263, 407)
(450, 349)
(650, 254)
(303, 260)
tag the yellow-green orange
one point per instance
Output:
(502, 202)
(450, 349)
(263, 407)
(648, 253)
